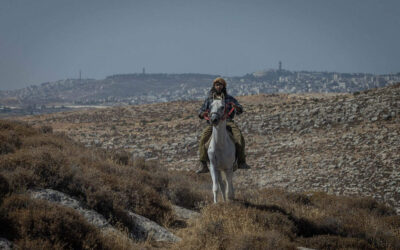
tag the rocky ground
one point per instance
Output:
(144, 227)
(346, 144)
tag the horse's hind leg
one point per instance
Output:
(214, 177)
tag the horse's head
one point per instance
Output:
(217, 111)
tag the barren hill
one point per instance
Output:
(337, 143)
(57, 193)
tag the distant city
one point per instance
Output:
(142, 88)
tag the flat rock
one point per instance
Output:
(184, 213)
(152, 230)
(60, 198)
(146, 227)
(5, 244)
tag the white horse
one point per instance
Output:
(221, 152)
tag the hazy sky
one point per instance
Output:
(48, 40)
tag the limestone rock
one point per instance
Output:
(184, 213)
(60, 198)
(146, 228)
(152, 230)
(5, 244)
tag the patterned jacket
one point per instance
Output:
(228, 99)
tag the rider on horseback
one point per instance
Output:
(219, 87)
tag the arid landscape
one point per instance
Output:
(347, 144)
(100, 125)
(325, 174)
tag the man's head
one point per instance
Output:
(219, 84)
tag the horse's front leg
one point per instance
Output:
(222, 185)
(229, 190)
(214, 177)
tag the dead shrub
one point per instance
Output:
(52, 161)
(45, 129)
(147, 202)
(363, 220)
(371, 205)
(140, 163)
(9, 142)
(41, 140)
(186, 190)
(5, 147)
(268, 240)
(107, 186)
(184, 196)
(276, 221)
(382, 238)
(336, 242)
(155, 179)
(4, 187)
(49, 161)
(121, 157)
(116, 240)
(393, 222)
(298, 198)
(101, 201)
(27, 243)
(41, 167)
(233, 226)
(273, 198)
(54, 226)
(21, 179)
(19, 128)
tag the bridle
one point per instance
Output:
(226, 114)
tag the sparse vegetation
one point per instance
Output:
(112, 183)
(49, 161)
(275, 219)
(35, 224)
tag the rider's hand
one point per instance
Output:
(237, 108)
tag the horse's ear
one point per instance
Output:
(222, 96)
(214, 96)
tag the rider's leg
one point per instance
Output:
(205, 136)
(240, 145)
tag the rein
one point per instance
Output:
(226, 114)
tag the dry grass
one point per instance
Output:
(39, 159)
(188, 190)
(37, 223)
(275, 219)
(111, 183)
(233, 226)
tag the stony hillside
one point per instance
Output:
(337, 143)
(57, 194)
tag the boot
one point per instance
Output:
(243, 165)
(203, 168)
